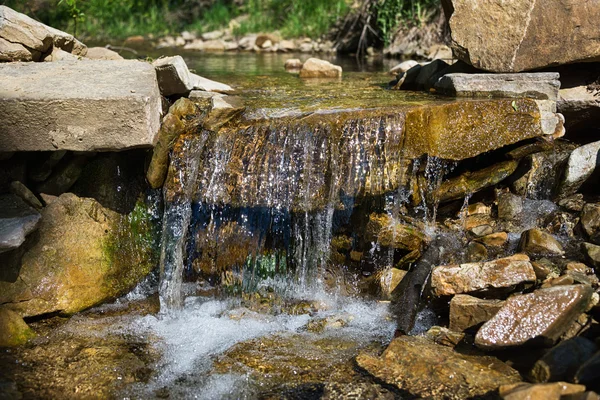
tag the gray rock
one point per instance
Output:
(19, 28)
(207, 85)
(18, 189)
(173, 75)
(473, 277)
(17, 220)
(16, 52)
(590, 221)
(562, 362)
(534, 85)
(468, 311)
(102, 53)
(540, 317)
(592, 253)
(580, 166)
(538, 242)
(84, 106)
(510, 206)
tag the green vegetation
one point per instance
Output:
(312, 18)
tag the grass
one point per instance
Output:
(116, 19)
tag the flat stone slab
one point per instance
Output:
(540, 317)
(473, 277)
(468, 311)
(534, 85)
(17, 220)
(80, 106)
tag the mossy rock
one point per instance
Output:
(13, 330)
(85, 255)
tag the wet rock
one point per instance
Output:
(208, 85)
(429, 370)
(562, 362)
(444, 336)
(476, 252)
(173, 76)
(584, 279)
(546, 391)
(592, 253)
(20, 190)
(316, 68)
(10, 52)
(355, 390)
(590, 221)
(507, 42)
(223, 109)
(535, 85)
(482, 221)
(529, 149)
(478, 208)
(19, 28)
(540, 317)
(293, 64)
(17, 220)
(329, 323)
(386, 231)
(468, 311)
(474, 277)
(589, 373)
(538, 242)
(85, 255)
(510, 206)
(580, 166)
(558, 281)
(573, 203)
(498, 239)
(482, 230)
(543, 173)
(102, 53)
(81, 106)
(544, 267)
(13, 330)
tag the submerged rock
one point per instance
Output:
(562, 362)
(538, 242)
(468, 311)
(540, 317)
(471, 182)
(474, 277)
(545, 391)
(85, 255)
(316, 68)
(429, 370)
(17, 220)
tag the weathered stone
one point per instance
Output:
(538, 85)
(590, 221)
(478, 208)
(573, 203)
(444, 336)
(538, 242)
(429, 370)
(214, 45)
(530, 148)
(558, 281)
(13, 330)
(223, 109)
(482, 230)
(562, 362)
(497, 239)
(293, 64)
(510, 206)
(316, 68)
(517, 36)
(63, 176)
(212, 35)
(67, 42)
(592, 253)
(17, 220)
(10, 52)
(479, 220)
(589, 373)
(540, 317)
(19, 28)
(467, 278)
(58, 54)
(208, 85)
(102, 53)
(18, 189)
(388, 232)
(390, 279)
(468, 311)
(264, 37)
(543, 173)
(471, 182)
(173, 76)
(85, 255)
(545, 391)
(476, 252)
(84, 106)
(580, 166)
(544, 267)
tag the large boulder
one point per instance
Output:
(85, 255)
(540, 317)
(513, 36)
(82, 106)
(316, 68)
(428, 370)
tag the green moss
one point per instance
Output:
(13, 330)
